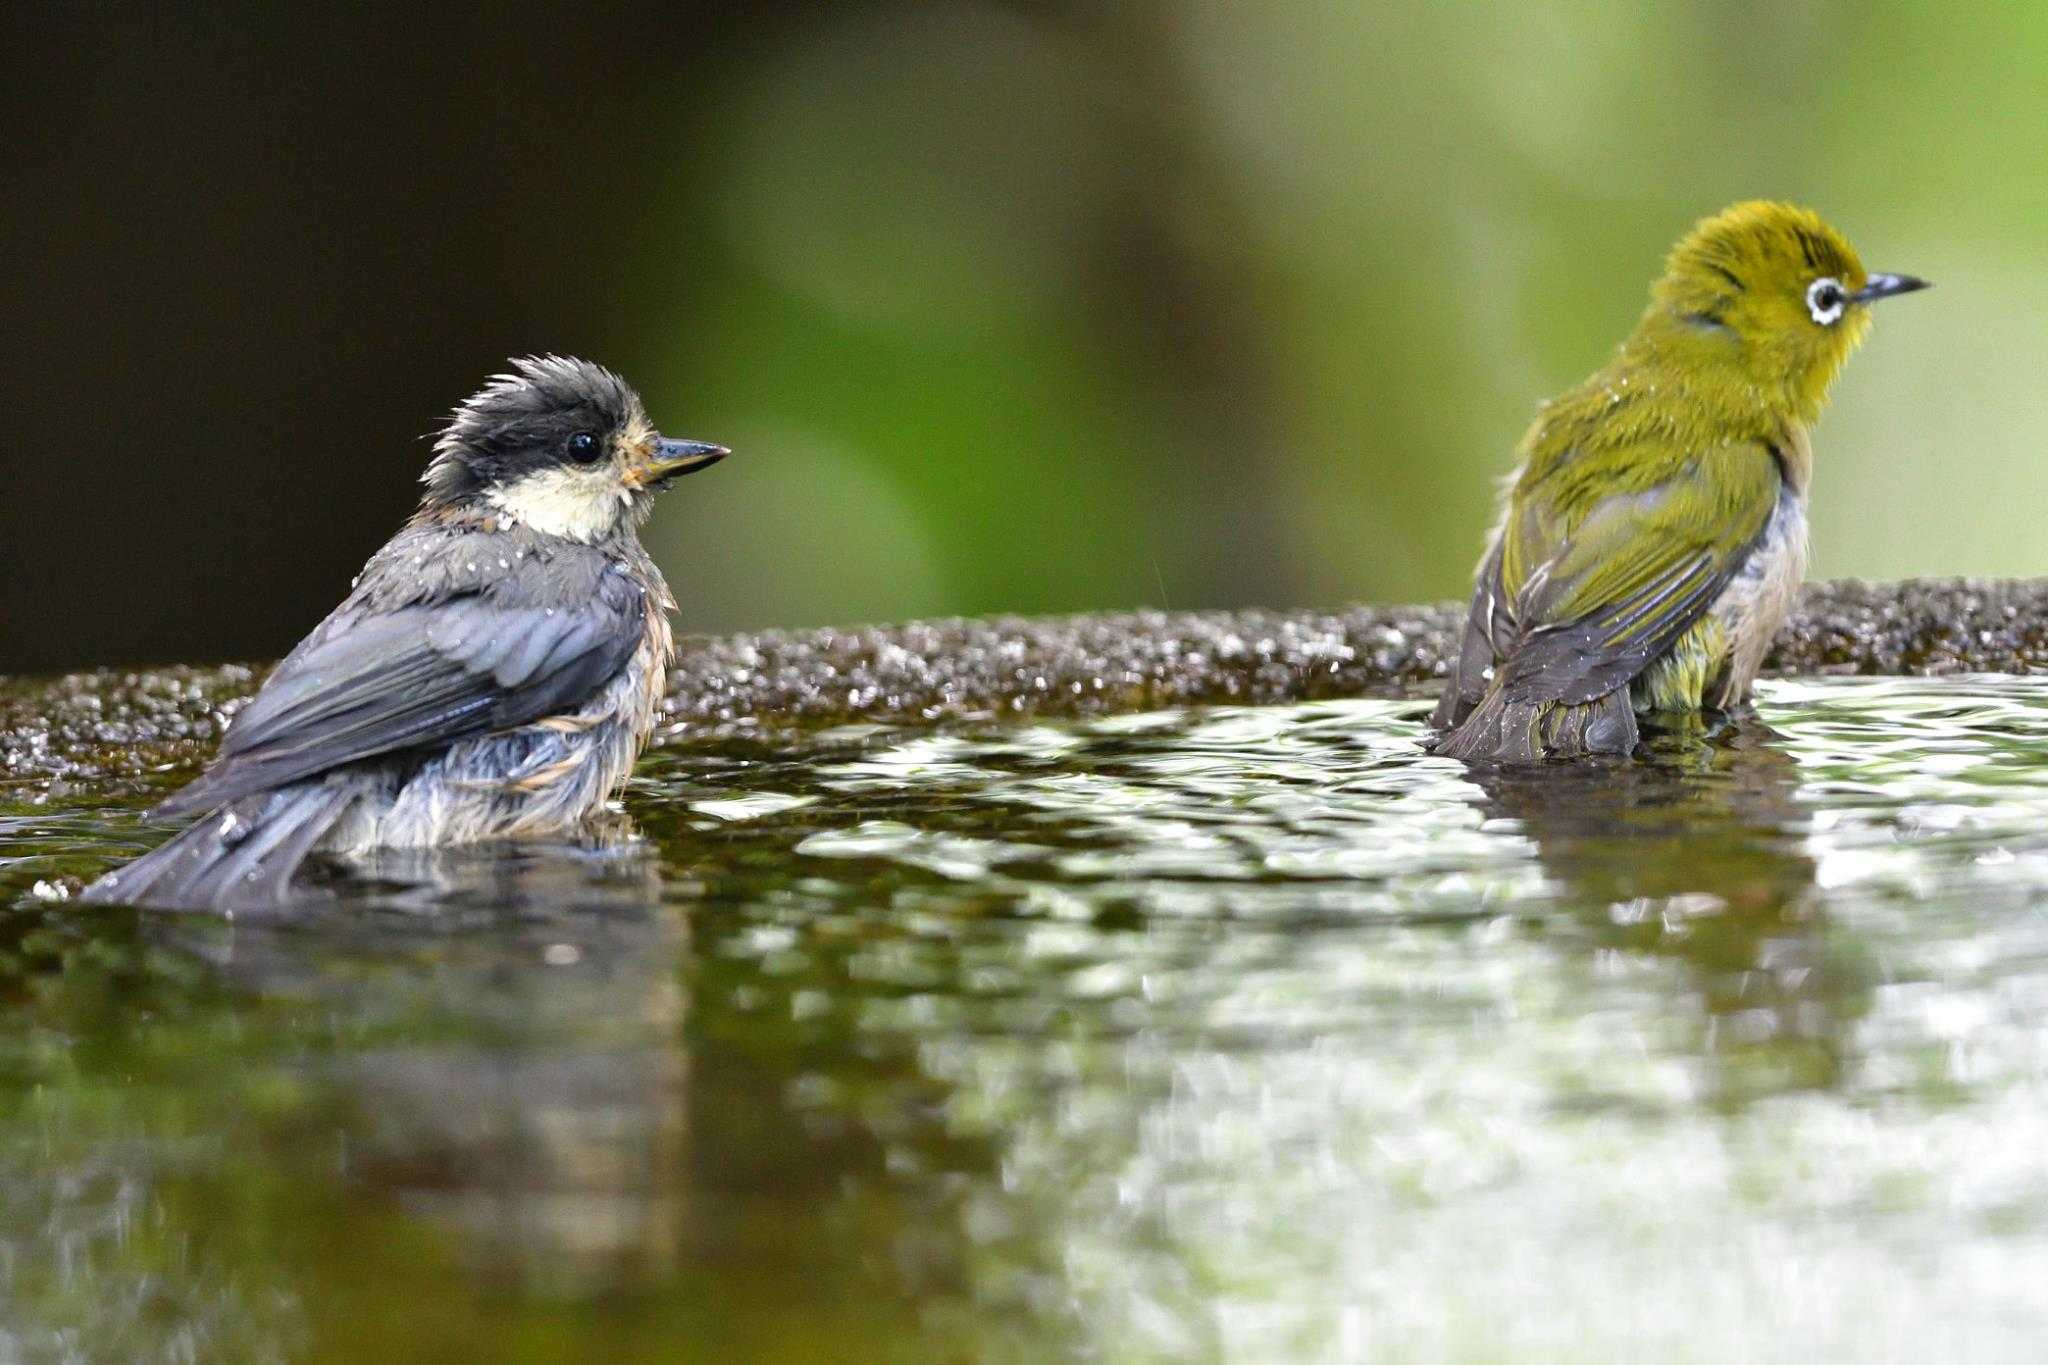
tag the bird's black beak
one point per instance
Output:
(672, 459)
(1884, 286)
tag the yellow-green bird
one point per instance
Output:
(1655, 532)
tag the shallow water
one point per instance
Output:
(1247, 1033)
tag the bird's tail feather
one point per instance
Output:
(240, 857)
(1502, 731)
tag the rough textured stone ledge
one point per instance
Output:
(113, 722)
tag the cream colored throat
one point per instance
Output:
(575, 504)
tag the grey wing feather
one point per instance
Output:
(1489, 632)
(1579, 661)
(420, 675)
(1562, 687)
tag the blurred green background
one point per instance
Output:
(1006, 307)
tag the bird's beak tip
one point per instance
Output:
(672, 458)
(1887, 286)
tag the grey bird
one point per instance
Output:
(494, 674)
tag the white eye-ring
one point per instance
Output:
(1825, 300)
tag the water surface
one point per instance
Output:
(1247, 1033)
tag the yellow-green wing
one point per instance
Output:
(1602, 585)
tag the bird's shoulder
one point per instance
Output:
(449, 632)
(464, 593)
(1635, 442)
(1655, 417)
(432, 561)
(484, 564)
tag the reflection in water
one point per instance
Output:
(560, 1166)
(1247, 1033)
(1698, 852)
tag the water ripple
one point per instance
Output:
(1225, 1033)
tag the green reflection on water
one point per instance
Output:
(1242, 1032)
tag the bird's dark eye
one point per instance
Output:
(1825, 300)
(584, 447)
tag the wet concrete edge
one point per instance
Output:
(109, 722)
